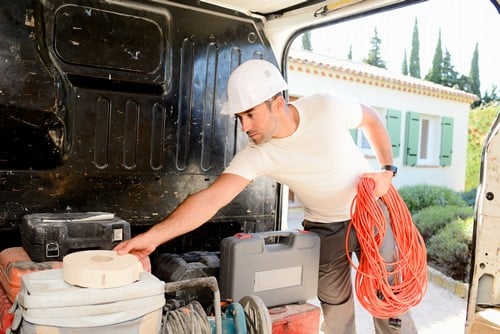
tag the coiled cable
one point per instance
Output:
(387, 290)
(187, 319)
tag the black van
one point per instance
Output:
(114, 106)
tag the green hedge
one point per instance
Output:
(422, 196)
(445, 221)
(450, 249)
(432, 219)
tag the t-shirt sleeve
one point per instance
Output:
(340, 107)
(348, 108)
(247, 163)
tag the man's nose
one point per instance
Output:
(246, 124)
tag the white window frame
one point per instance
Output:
(361, 140)
(429, 140)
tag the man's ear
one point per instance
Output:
(278, 103)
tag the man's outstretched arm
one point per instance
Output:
(195, 210)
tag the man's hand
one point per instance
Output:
(382, 181)
(141, 246)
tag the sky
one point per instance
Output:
(463, 23)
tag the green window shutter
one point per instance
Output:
(411, 135)
(393, 125)
(446, 141)
(354, 135)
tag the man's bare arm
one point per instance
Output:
(377, 135)
(379, 139)
(195, 210)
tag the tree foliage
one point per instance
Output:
(306, 41)
(443, 72)
(414, 66)
(449, 77)
(404, 66)
(374, 58)
(436, 70)
(480, 121)
(490, 96)
(475, 85)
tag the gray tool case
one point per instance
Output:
(280, 267)
(50, 236)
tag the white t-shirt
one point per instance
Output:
(319, 162)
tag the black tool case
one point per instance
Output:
(280, 267)
(50, 236)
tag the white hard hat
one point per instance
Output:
(252, 83)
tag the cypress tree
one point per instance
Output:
(306, 41)
(475, 84)
(435, 72)
(404, 66)
(374, 57)
(414, 66)
(449, 77)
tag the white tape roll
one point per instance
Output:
(100, 269)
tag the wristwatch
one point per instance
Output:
(391, 168)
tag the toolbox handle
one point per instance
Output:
(292, 238)
(102, 216)
(289, 235)
(268, 234)
(289, 239)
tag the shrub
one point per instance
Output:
(421, 196)
(469, 196)
(450, 249)
(432, 219)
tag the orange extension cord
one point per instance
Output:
(374, 289)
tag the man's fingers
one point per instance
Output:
(122, 248)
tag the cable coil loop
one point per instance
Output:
(387, 289)
(188, 319)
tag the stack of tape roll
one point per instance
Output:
(100, 269)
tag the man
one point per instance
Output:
(307, 145)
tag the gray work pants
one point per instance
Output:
(334, 281)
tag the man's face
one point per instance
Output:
(259, 123)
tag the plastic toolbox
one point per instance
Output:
(296, 319)
(6, 318)
(178, 267)
(14, 263)
(280, 267)
(50, 236)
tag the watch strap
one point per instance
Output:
(390, 168)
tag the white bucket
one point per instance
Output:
(50, 305)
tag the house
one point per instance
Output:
(427, 123)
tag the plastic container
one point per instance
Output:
(46, 301)
(51, 236)
(14, 263)
(279, 267)
(6, 318)
(295, 319)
